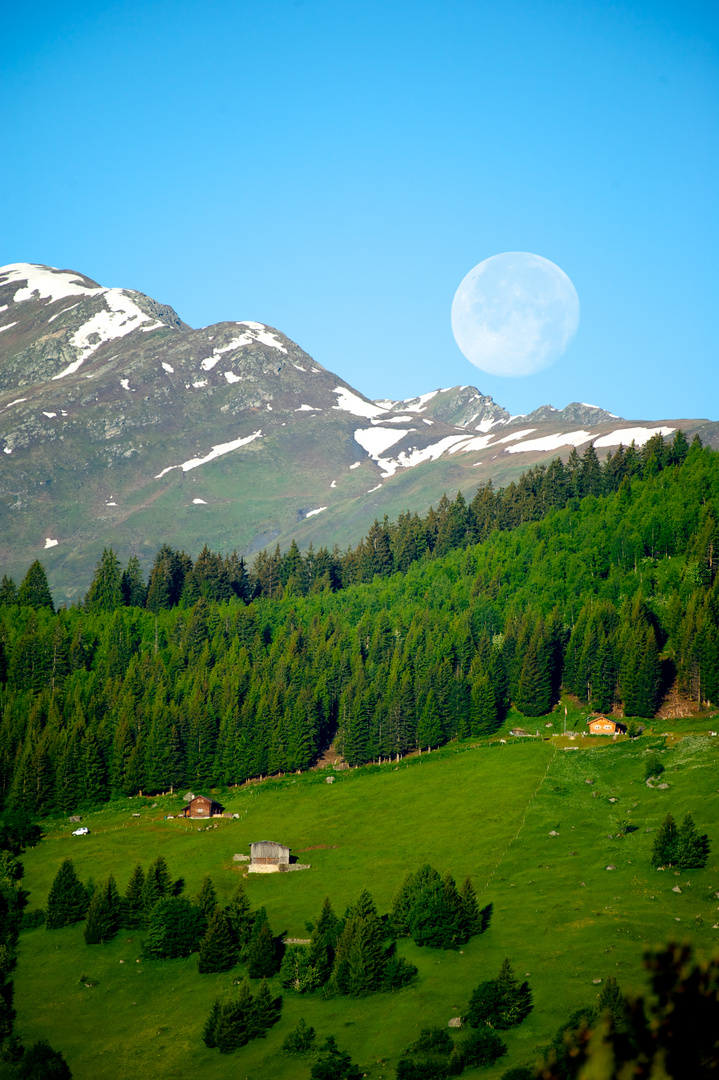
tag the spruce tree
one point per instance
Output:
(301, 1040)
(67, 901)
(209, 1034)
(133, 903)
(207, 897)
(235, 1026)
(267, 1009)
(692, 849)
(262, 953)
(8, 592)
(34, 590)
(105, 592)
(239, 913)
(611, 1000)
(157, 883)
(218, 948)
(333, 1064)
(665, 849)
(471, 920)
(175, 928)
(502, 1002)
(104, 913)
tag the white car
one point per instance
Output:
(82, 831)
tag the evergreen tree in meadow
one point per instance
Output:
(41, 1062)
(267, 1009)
(236, 1022)
(207, 897)
(175, 928)
(333, 1064)
(665, 848)
(67, 900)
(503, 1002)
(361, 954)
(104, 914)
(471, 920)
(482, 1047)
(611, 1000)
(301, 1040)
(218, 948)
(157, 885)
(239, 913)
(692, 848)
(105, 592)
(133, 902)
(209, 1033)
(34, 590)
(262, 958)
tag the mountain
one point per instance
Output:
(121, 425)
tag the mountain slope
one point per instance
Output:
(122, 425)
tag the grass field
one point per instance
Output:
(558, 913)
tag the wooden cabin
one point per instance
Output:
(200, 807)
(603, 725)
(269, 853)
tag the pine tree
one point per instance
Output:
(8, 592)
(241, 919)
(209, 1034)
(104, 914)
(301, 1040)
(267, 1009)
(262, 961)
(175, 928)
(502, 1002)
(157, 883)
(207, 897)
(105, 592)
(67, 900)
(471, 920)
(333, 1064)
(236, 1021)
(218, 948)
(692, 849)
(665, 849)
(611, 1000)
(132, 585)
(34, 590)
(133, 904)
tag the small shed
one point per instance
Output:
(200, 807)
(603, 725)
(269, 853)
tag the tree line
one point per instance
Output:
(610, 597)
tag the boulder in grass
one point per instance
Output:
(610, 867)
(455, 1022)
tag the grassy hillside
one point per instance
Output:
(559, 914)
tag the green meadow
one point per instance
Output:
(559, 914)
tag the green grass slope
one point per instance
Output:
(559, 914)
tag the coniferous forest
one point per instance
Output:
(598, 578)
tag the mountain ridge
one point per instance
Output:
(120, 424)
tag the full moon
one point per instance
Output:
(514, 314)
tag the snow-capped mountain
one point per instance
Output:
(122, 425)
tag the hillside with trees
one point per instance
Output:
(598, 578)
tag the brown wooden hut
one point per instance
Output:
(200, 807)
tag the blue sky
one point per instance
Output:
(334, 169)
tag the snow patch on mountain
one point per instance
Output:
(517, 435)
(353, 403)
(168, 367)
(638, 435)
(50, 543)
(311, 513)
(217, 451)
(7, 326)
(231, 377)
(375, 440)
(550, 442)
(121, 319)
